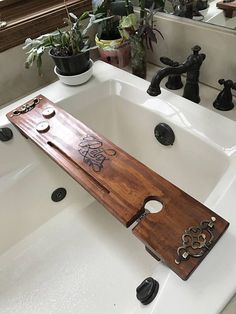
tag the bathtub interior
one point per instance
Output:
(192, 163)
(71, 256)
(26, 188)
(80, 261)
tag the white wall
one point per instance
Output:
(218, 44)
(15, 80)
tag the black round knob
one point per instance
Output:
(147, 290)
(196, 49)
(5, 134)
(164, 134)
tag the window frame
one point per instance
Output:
(41, 19)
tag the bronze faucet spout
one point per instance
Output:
(154, 88)
(191, 66)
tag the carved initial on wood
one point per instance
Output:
(93, 152)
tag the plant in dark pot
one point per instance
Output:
(68, 48)
(112, 47)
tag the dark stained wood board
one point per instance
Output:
(120, 182)
(228, 7)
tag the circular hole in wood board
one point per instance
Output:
(153, 206)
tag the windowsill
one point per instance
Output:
(41, 18)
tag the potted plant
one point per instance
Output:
(69, 48)
(112, 47)
(139, 31)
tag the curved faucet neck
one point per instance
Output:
(191, 66)
(154, 88)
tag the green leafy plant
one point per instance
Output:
(142, 27)
(139, 31)
(109, 14)
(71, 41)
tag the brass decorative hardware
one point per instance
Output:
(26, 107)
(196, 241)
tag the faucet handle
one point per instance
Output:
(227, 83)
(196, 49)
(224, 100)
(174, 80)
(168, 61)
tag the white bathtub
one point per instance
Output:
(73, 256)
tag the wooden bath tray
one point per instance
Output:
(181, 234)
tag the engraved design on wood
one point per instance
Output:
(196, 241)
(93, 152)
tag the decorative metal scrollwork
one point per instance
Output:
(93, 152)
(196, 241)
(26, 107)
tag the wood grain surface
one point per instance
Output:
(121, 183)
(228, 7)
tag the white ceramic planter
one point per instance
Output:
(76, 79)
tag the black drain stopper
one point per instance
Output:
(147, 290)
(58, 195)
(5, 134)
(164, 134)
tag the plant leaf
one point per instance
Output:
(84, 16)
(73, 16)
(156, 30)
